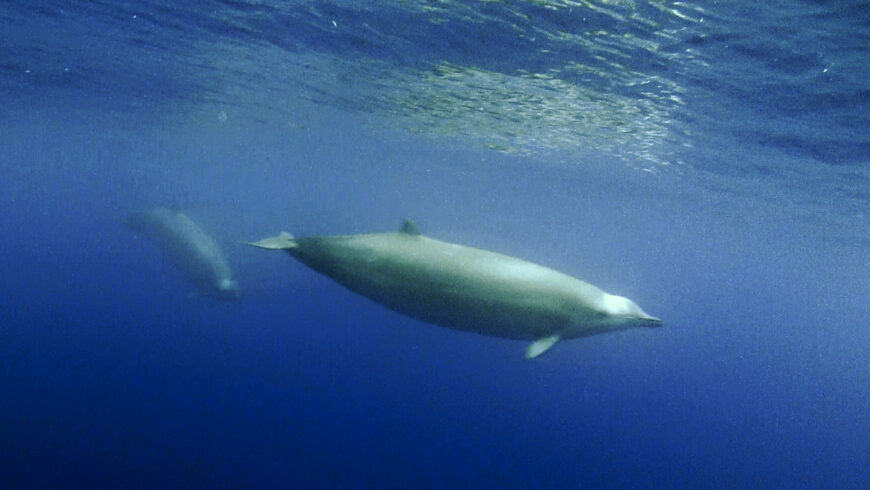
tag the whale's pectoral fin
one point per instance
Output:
(540, 346)
(283, 241)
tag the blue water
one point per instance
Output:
(710, 160)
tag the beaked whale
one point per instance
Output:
(191, 249)
(464, 288)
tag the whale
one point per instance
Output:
(464, 288)
(194, 252)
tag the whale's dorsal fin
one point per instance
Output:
(540, 346)
(408, 227)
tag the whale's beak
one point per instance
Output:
(650, 321)
(229, 289)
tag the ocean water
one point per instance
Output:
(710, 160)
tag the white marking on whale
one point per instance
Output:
(464, 288)
(190, 249)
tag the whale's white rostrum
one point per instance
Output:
(464, 288)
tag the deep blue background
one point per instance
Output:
(744, 227)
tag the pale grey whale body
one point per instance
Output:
(464, 288)
(191, 249)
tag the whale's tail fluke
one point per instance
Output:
(284, 241)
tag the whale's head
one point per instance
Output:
(607, 313)
(625, 313)
(228, 289)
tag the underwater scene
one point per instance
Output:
(434, 244)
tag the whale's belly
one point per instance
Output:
(452, 285)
